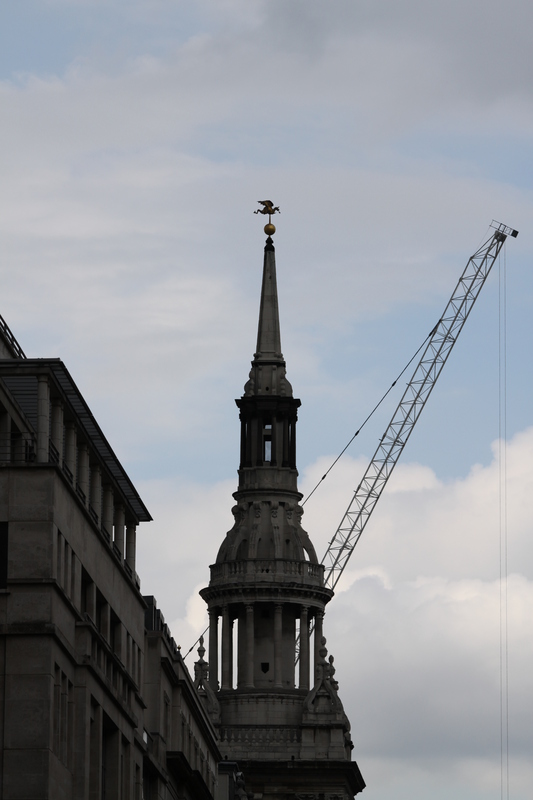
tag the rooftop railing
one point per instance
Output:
(17, 350)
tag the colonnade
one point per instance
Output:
(256, 641)
(280, 432)
(58, 441)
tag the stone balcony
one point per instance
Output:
(267, 571)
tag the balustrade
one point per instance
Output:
(252, 570)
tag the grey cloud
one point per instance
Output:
(376, 73)
(419, 667)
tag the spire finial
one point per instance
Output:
(268, 208)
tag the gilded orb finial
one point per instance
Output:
(268, 208)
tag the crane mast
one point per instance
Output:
(440, 344)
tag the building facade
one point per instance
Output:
(95, 700)
(272, 692)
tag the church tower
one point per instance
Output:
(269, 686)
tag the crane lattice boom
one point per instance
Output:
(440, 343)
(439, 347)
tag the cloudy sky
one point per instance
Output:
(136, 137)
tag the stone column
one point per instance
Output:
(250, 659)
(274, 442)
(119, 528)
(248, 462)
(227, 650)
(319, 620)
(131, 539)
(292, 444)
(107, 511)
(57, 427)
(243, 442)
(304, 648)
(70, 448)
(278, 644)
(259, 442)
(43, 419)
(96, 490)
(83, 470)
(5, 437)
(213, 649)
(285, 446)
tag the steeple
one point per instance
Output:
(268, 335)
(268, 409)
(267, 376)
(277, 720)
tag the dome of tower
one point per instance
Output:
(267, 529)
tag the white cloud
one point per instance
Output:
(423, 526)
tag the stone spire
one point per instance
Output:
(267, 376)
(268, 335)
(276, 719)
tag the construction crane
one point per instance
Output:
(440, 344)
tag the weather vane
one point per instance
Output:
(268, 208)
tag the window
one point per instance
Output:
(3, 554)
(111, 761)
(166, 717)
(59, 565)
(73, 577)
(87, 594)
(267, 443)
(116, 635)
(63, 717)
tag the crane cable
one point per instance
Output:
(358, 431)
(195, 643)
(502, 499)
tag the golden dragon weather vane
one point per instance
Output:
(268, 208)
